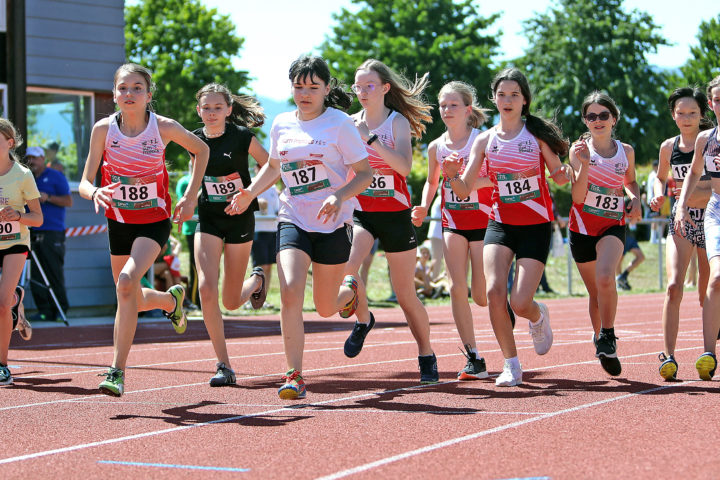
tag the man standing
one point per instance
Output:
(48, 240)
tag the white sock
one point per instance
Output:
(513, 362)
(474, 350)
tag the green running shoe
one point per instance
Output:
(114, 383)
(177, 316)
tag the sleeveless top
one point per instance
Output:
(680, 162)
(388, 191)
(463, 213)
(138, 163)
(521, 195)
(711, 150)
(604, 201)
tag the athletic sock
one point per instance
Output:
(514, 362)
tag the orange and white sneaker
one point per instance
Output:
(349, 309)
(294, 386)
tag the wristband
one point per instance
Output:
(92, 197)
(372, 138)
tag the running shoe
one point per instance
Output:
(177, 316)
(510, 376)
(622, 282)
(354, 343)
(706, 365)
(114, 383)
(349, 309)
(541, 332)
(606, 351)
(23, 326)
(294, 386)
(224, 376)
(475, 368)
(669, 367)
(5, 376)
(20, 293)
(428, 369)
(257, 299)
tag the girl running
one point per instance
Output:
(688, 107)
(134, 193)
(464, 220)
(707, 155)
(313, 148)
(227, 120)
(17, 190)
(517, 151)
(602, 166)
(392, 114)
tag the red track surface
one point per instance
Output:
(365, 417)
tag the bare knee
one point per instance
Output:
(497, 296)
(605, 281)
(674, 291)
(125, 286)
(522, 306)
(479, 297)
(208, 291)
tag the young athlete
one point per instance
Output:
(688, 107)
(392, 113)
(602, 167)
(227, 119)
(464, 220)
(313, 148)
(134, 193)
(517, 150)
(17, 190)
(707, 155)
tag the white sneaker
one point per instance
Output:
(541, 332)
(509, 377)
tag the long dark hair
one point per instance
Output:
(312, 66)
(700, 98)
(540, 128)
(246, 110)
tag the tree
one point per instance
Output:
(704, 62)
(443, 37)
(186, 46)
(577, 47)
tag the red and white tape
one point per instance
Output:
(85, 230)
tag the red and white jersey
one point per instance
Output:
(517, 168)
(138, 163)
(604, 201)
(388, 191)
(463, 213)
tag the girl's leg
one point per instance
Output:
(362, 244)
(456, 264)
(235, 266)
(703, 274)
(711, 307)
(588, 275)
(497, 260)
(609, 251)
(478, 288)
(402, 273)
(208, 250)
(11, 270)
(678, 253)
(293, 266)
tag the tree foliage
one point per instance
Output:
(704, 62)
(443, 37)
(577, 47)
(186, 45)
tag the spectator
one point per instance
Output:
(192, 296)
(48, 240)
(51, 159)
(632, 246)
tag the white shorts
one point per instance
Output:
(712, 226)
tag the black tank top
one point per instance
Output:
(680, 162)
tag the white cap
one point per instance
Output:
(34, 152)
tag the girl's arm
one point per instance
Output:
(559, 172)
(33, 218)
(463, 185)
(580, 163)
(631, 185)
(100, 196)
(429, 188)
(658, 199)
(399, 158)
(258, 152)
(362, 179)
(266, 178)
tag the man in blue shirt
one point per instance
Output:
(48, 240)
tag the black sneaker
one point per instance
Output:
(605, 350)
(474, 369)
(224, 376)
(428, 369)
(354, 343)
(5, 375)
(622, 283)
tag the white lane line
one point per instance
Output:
(454, 441)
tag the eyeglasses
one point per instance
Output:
(370, 87)
(591, 117)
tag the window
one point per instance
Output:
(3, 100)
(62, 117)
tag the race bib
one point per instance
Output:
(710, 164)
(135, 193)
(383, 184)
(680, 171)
(604, 202)
(452, 202)
(9, 231)
(518, 187)
(305, 176)
(220, 189)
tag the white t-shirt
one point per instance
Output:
(271, 196)
(314, 158)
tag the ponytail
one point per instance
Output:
(246, 111)
(338, 97)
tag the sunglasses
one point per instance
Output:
(370, 87)
(591, 117)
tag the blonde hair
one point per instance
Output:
(467, 93)
(404, 97)
(140, 70)
(8, 130)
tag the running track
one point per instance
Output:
(365, 417)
